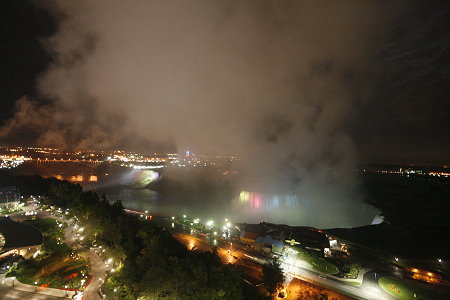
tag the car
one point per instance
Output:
(322, 276)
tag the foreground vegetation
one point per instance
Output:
(56, 265)
(148, 262)
(318, 263)
(273, 277)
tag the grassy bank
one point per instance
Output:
(405, 289)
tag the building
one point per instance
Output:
(268, 245)
(9, 197)
(264, 237)
(18, 237)
(250, 233)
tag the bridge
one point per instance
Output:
(89, 162)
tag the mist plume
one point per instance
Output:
(272, 82)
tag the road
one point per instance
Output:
(7, 293)
(228, 253)
(369, 289)
(97, 271)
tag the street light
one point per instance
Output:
(375, 281)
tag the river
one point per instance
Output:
(243, 207)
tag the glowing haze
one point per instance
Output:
(272, 82)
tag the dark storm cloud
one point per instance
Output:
(273, 81)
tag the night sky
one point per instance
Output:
(398, 108)
(23, 56)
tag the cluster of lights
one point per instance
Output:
(8, 162)
(210, 225)
(141, 160)
(439, 174)
(125, 159)
(409, 172)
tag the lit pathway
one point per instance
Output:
(28, 292)
(97, 270)
(11, 288)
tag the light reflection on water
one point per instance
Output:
(245, 206)
(267, 201)
(301, 208)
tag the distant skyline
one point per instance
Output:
(395, 97)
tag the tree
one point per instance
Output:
(154, 264)
(273, 276)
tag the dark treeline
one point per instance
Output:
(149, 262)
